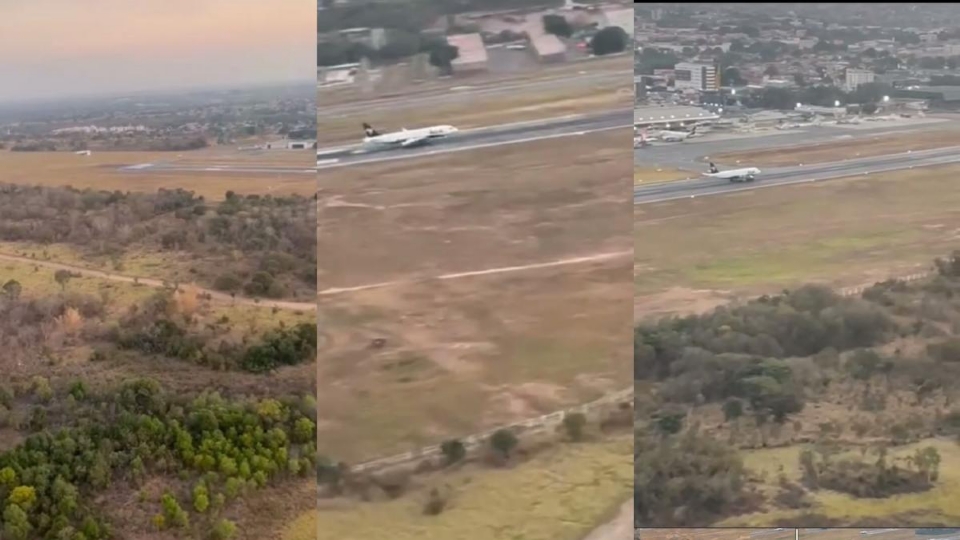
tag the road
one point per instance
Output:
(620, 528)
(157, 283)
(483, 138)
(782, 176)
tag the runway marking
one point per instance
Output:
(474, 273)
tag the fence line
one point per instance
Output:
(474, 441)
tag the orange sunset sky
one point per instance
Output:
(51, 48)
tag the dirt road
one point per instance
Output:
(621, 528)
(157, 283)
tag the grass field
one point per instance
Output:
(841, 232)
(476, 351)
(937, 507)
(348, 94)
(560, 494)
(100, 170)
(489, 208)
(657, 175)
(839, 150)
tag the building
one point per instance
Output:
(670, 116)
(472, 53)
(639, 88)
(696, 76)
(619, 17)
(292, 145)
(855, 77)
(937, 96)
(549, 48)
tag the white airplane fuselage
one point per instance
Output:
(409, 137)
(746, 174)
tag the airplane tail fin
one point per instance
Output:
(368, 129)
(713, 168)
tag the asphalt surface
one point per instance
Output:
(782, 176)
(229, 169)
(687, 155)
(483, 138)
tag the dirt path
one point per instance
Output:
(157, 283)
(473, 273)
(621, 528)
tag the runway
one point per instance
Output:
(687, 155)
(228, 169)
(782, 176)
(483, 138)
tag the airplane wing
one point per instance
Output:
(413, 141)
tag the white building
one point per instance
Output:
(855, 77)
(696, 76)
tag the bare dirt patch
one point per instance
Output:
(829, 151)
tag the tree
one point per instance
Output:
(731, 77)
(799, 80)
(453, 451)
(610, 40)
(669, 422)
(771, 71)
(223, 530)
(574, 424)
(503, 441)
(442, 56)
(16, 523)
(557, 25)
(62, 277)
(12, 289)
(732, 409)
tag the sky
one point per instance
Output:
(73, 48)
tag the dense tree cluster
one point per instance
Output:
(158, 328)
(765, 359)
(263, 246)
(684, 479)
(124, 436)
(798, 323)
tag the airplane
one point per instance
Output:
(405, 138)
(747, 174)
(677, 136)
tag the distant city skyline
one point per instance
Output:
(65, 48)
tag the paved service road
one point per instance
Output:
(794, 175)
(484, 138)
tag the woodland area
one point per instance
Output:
(258, 246)
(766, 373)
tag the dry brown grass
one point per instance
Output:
(348, 94)
(101, 170)
(486, 111)
(474, 352)
(826, 152)
(657, 175)
(489, 208)
(841, 233)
